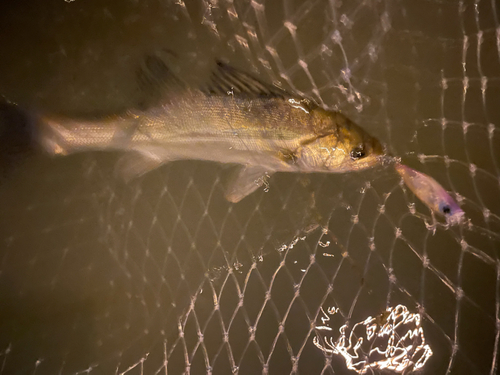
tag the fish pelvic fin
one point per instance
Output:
(244, 181)
(135, 164)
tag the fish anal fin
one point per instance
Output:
(244, 181)
(134, 164)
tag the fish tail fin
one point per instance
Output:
(17, 138)
(63, 136)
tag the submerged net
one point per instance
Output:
(318, 274)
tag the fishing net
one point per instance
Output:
(316, 274)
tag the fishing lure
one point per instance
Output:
(431, 193)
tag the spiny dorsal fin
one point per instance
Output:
(226, 79)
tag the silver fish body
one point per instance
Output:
(263, 131)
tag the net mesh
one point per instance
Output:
(163, 275)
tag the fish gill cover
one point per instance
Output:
(315, 274)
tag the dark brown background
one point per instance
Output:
(101, 277)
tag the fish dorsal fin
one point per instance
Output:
(156, 81)
(228, 80)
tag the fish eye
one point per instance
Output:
(446, 209)
(358, 153)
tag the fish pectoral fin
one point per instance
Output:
(245, 181)
(135, 164)
(288, 156)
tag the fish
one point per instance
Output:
(234, 119)
(432, 194)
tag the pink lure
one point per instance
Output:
(430, 192)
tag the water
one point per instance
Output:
(163, 274)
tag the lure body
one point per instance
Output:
(431, 193)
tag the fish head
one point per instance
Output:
(345, 147)
(452, 212)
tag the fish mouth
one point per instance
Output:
(456, 218)
(381, 153)
(377, 155)
(377, 148)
